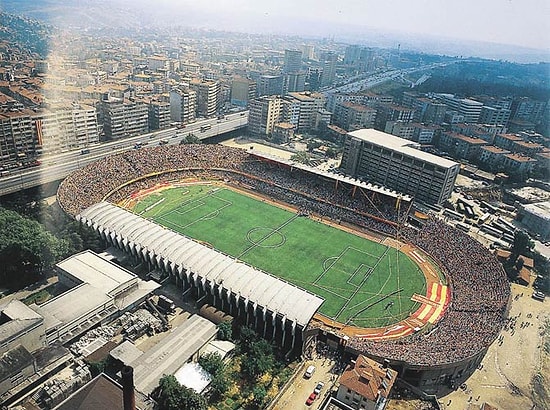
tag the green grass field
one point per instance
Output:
(363, 283)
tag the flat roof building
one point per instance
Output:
(98, 290)
(398, 164)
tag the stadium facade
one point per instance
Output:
(432, 360)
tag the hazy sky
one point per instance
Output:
(518, 22)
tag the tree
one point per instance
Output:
(302, 157)
(247, 337)
(225, 331)
(258, 361)
(170, 395)
(190, 139)
(522, 244)
(219, 385)
(212, 363)
(260, 395)
(26, 250)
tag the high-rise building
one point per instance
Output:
(63, 127)
(392, 112)
(270, 85)
(16, 136)
(398, 164)
(304, 104)
(351, 116)
(183, 105)
(242, 91)
(327, 61)
(124, 118)
(494, 116)
(208, 96)
(294, 82)
(293, 61)
(159, 115)
(264, 113)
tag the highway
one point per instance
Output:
(359, 83)
(58, 166)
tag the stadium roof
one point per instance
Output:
(251, 284)
(337, 177)
(401, 145)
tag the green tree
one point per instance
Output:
(260, 395)
(212, 363)
(247, 337)
(225, 331)
(27, 250)
(219, 385)
(190, 139)
(170, 395)
(302, 157)
(258, 361)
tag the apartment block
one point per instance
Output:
(461, 146)
(270, 85)
(208, 96)
(492, 157)
(264, 113)
(398, 164)
(124, 118)
(183, 105)
(242, 91)
(351, 116)
(307, 105)
(159, 115)
(16, 136)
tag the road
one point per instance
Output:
(364, 82)
(58, 166)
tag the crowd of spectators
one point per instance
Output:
(478, 309)
(479, 286)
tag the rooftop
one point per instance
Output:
(368, 378)
(400, 145)
(16, 318)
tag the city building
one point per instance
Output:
(536, 218)
(518, 165)
(527, 110)
(270, 85)
(400, 129)
(264, 113)
(506, 141)
(352, 116)
(98, 290)
(300, 109)
(494, 116)
(123, 117)
(327, 61)
(282, 132)
(183, 105)
(292, 61)
(470, 109)
(492, 157)
(159, 115)
(208, 97)
(242, 91)
(398, 164)
(392, 112)
(461, 146)
(366, 384)
(424, 134)
(17, 139)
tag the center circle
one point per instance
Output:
(265, 237)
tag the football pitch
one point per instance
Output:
(364, 283)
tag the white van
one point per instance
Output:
(309, 372)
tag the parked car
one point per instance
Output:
(311, 398)
(319, 387)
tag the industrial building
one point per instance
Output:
(397, 163)
(99, 290)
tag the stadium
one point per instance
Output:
(446, 320)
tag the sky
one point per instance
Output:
(518, 22)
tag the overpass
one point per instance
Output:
(56, 167)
